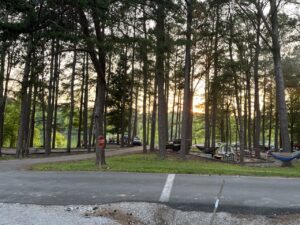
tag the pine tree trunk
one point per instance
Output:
(191, 117)
(86, 101)
(249, 110)
(207, 100)
(153, 118)
(123, 105)
(230, 130)
(28, 110)
(135, 120)
(207, 114)
(148, 119)
(236, 126)
(6, 72)
(107, 92)
(264, 114)
(257, 113)
(55, 94)
(144, 54)
(177, 115)
(123, 122)
(280, 86)
(160, 74)
(185, 142)
(91, 131)
(245, 115)
(167, 87)
(71, 115)
(227, 121)
(180, 116)
(80, 111)
(99, 117)
(222, 127)
(55, 117)
(214, 85)
(32, 117)
(237, 97)
(276, 131)
(29, 129)
(99, 66)
(130, 136)
(173, 108)
(270, 117)
(2, 104)
(24, 102)
(174, 96)
(48, 130)
(43, 107)
(207, 93)
(2, 108)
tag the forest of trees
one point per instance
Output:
(72, 70)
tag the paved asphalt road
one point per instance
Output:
(186, 192)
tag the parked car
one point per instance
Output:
(137, 141)
(210, 150)
(174, 145)
(297, 146)
(125, 139)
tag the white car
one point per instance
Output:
(137, 141)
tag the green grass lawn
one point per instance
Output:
(151, 164)
(6, 157)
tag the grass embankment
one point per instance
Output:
(151, 164)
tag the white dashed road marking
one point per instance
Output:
(166, 192)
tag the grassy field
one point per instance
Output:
(151, 164)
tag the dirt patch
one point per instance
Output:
(124, 218)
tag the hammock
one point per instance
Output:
(286, 158)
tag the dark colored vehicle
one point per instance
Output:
(174, 145)
(297, 146)
(210, 150)
(137, 141)
(263, 147)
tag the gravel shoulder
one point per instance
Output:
(128, 213)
